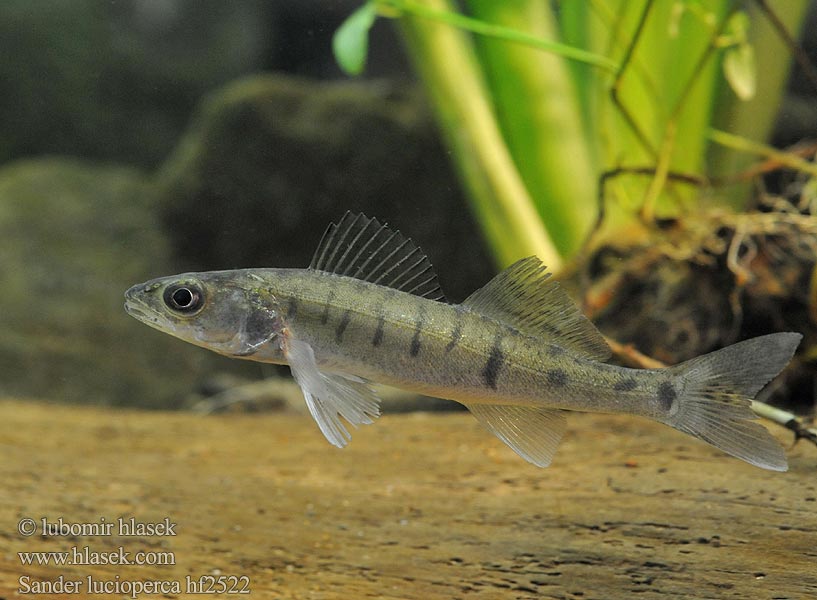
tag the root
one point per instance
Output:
(705, 281)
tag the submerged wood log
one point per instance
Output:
(418, 506)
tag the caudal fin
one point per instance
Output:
(716, 392)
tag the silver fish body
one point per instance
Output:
(516, 353)
(445, 350)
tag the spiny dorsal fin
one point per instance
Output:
(524, 297)
(363, 248)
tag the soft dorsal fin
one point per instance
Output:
(524, 297)
(363, 248)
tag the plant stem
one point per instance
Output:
(786, 419)
(787, 159)
(541, 118)
(445, 59)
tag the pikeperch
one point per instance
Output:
(517, 352)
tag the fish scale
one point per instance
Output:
(517, 352)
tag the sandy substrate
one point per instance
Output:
(418, 506)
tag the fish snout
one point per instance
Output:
(131, 292)
(141, 291)
(136, 300)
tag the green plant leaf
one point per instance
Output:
(739, 67)
(350, 43)
(740, 70)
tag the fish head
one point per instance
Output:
(228, 312)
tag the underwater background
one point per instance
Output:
(142, 138)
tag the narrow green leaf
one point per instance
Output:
(787, 159)
(455, 19)
(350, 43)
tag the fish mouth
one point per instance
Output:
(148, 317)
(140, 311)
(136, 311)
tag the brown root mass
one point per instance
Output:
(702, 282)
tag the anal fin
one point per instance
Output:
(330, 396)
(533, 433)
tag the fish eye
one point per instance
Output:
(184, 298)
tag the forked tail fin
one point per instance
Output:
(716, 390)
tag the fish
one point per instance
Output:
(518, 353)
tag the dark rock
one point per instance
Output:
(269, 161)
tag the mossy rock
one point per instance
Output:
(269, 161)
(75, 236)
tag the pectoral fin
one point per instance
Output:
(330, 396)
(533, 433)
